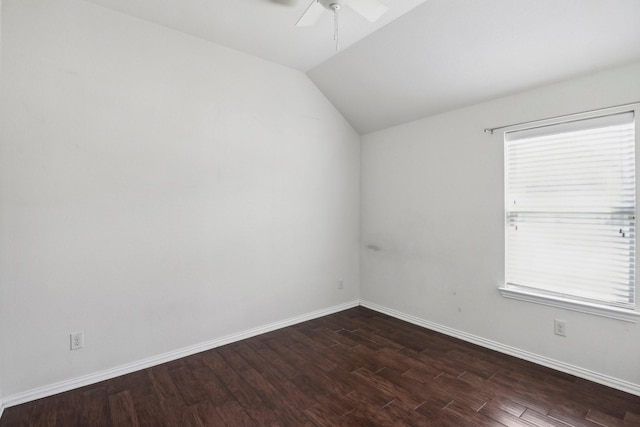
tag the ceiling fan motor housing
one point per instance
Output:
(332, 4)
(371, 10)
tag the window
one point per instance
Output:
(570, 209)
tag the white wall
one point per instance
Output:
(433, 236)
(158, 191)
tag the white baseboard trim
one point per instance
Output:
(1, 408)
(128, 368)
(511, 351)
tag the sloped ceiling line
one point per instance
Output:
(422, 57)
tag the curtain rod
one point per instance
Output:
(491, 130)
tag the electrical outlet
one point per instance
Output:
(77, 340)
(340, 284)
(560, 327)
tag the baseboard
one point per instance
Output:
(128, 368)
(511, 351)
(1, 408)
(85, 380)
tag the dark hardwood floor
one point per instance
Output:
(354, 368)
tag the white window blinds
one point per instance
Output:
(570, 210)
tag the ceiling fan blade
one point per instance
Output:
(372, 10)
(284, 2)
(311, 15)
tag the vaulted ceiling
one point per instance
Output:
(422, 57)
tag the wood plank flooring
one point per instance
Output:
(354, 368)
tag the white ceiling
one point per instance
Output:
(421, 58)
(446, 54)
(263, 28)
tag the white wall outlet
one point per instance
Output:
(77, 340)
(340, 284)
(560, 327)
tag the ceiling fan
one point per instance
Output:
(371, 10)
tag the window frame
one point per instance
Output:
(529, 295)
